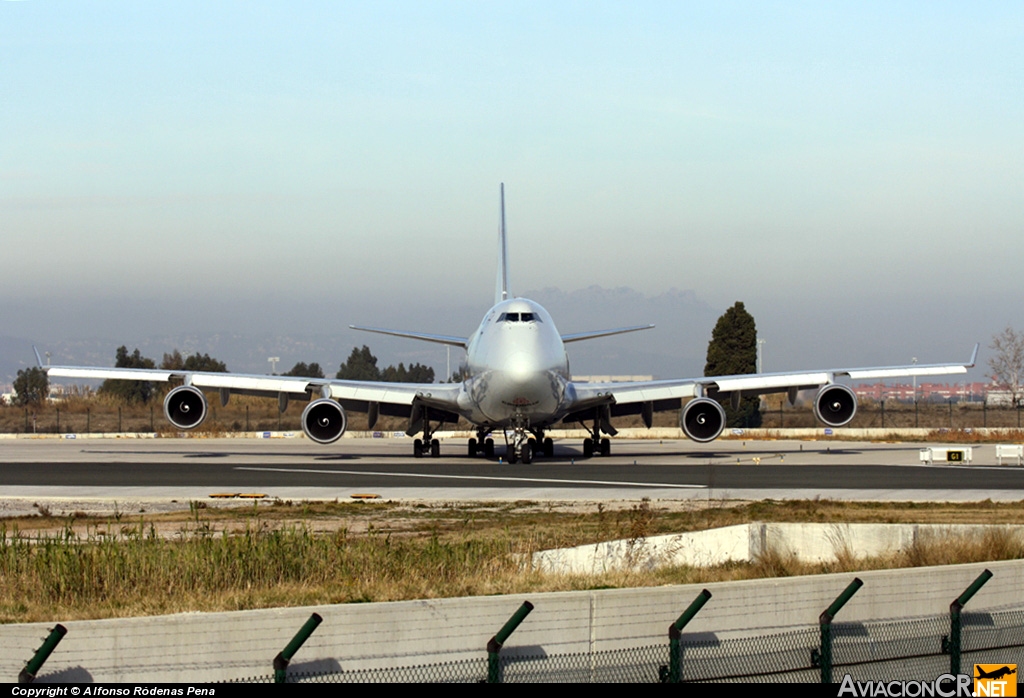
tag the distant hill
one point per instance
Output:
(675, 347)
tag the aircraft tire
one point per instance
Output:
(489, 448)
(472, 448)
(588, 448)
(417, 448)
(549, 447)
(435, 449)
(606, 447)
(527, 454)
(511, 457)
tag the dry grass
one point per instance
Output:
(317, 553)
(83, 411)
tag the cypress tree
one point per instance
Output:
(733, 351)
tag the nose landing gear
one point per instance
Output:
(524, 443)
(520, 446)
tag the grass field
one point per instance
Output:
(288, 554)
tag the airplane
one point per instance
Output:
(517, 382)
(995, 673)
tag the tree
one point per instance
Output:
(361, 366)
(419, 373)
(416, 373)
(31, 386)
(130, 391)
(1007, 361)
(731, 351)
(194, 362)
(304, 370)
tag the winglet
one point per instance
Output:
(39, 359)
(501, 286)
(974, 357)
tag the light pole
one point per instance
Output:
(273, 364)
(760, 355)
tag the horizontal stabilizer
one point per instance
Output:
(580, 336)
(422, 336)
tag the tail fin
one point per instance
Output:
(501, 287)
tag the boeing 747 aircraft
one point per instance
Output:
(517, 384)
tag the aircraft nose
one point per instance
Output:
(521, 367)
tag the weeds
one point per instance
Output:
(211, 559)
(946, 548)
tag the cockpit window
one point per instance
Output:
(518, 317)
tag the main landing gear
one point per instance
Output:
(598, 446)
(427, 445)
(482, 444)
(595, 444)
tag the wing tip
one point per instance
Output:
(974, 355)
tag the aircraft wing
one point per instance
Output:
(422, 336)
(439, 395)
(666, 394)
(579, 336)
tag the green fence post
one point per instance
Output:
(495, 644)
(954, 619)
(28, 674)
(675, 660)
(824, 658)
(285, 655)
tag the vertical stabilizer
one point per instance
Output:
(501, 287)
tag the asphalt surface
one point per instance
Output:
(638, 468)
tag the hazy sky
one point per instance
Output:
(854, 172)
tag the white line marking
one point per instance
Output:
(477, 477)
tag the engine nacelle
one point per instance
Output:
(702, 420)
(185, 407)
(324, 421)
(835, 405)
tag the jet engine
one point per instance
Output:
(185, 407)
(324, 421)
(835, 405)
(702, 419)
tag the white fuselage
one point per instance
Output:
(518, 371)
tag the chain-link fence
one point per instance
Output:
(896, 650)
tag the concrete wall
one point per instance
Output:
(808, 542)
(224, 646)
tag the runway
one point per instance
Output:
(296, 468)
